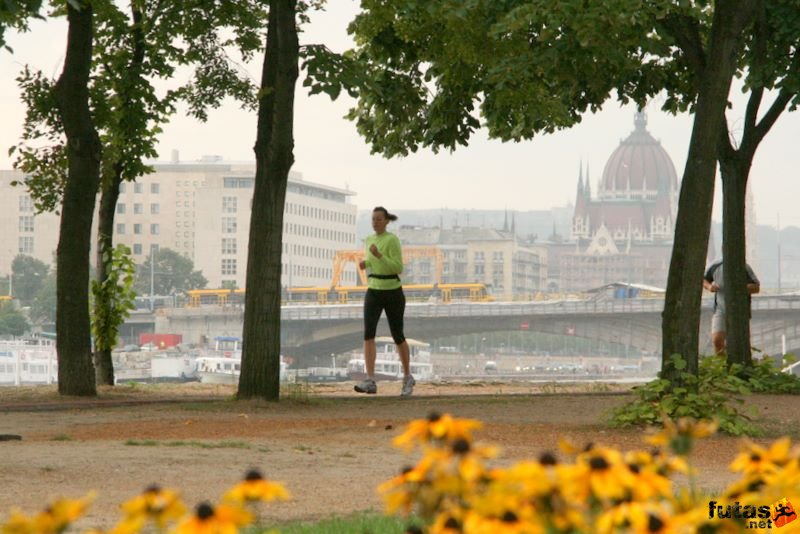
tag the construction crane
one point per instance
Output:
(344, 257)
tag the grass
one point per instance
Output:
(361, 523)
(197, 444)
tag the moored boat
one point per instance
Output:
(387, 362)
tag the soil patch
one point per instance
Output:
(329, 446)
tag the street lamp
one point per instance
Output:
(152, 275)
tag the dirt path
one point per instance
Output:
(329, 447)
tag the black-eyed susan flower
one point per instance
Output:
(17, 523)
(680, 435)
(651, 481)
(436, 428)
(757, 459)
(60, 514)
(599, 473)
(256, 488)
(156, 504)
(223, 519)
(506, 522)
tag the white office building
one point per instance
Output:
(202, 211)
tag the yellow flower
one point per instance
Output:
(635, 517)
(650, 480)
(598, 472)
(59, 515)
(17, 523)
(680, 435)
(223, 519)
(129, 525)
(509, 522)
(529, 479)
(155, 503)
(256, 488)
(436, 428)
(757, 459)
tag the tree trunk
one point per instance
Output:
(737, 300)
(73, 333)
(681, 317)
(104, 367)
(260, 376)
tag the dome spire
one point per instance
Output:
(640, 119)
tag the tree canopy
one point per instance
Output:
(29, 275)
(173, 274)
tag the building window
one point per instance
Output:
(154, 188)
(137, 248)
(479, 257)
(138, 209)
(26, 223)
(137, 228)
(26, 244)
(229, 266)
(154, 229)
(155, 209)
(497, 255)
(120, 229)
(122, 188)
(229, 245)
(238, 183)
(138, 188)
(228, 204)
(121, 208)
(229, 225)
(25, 204)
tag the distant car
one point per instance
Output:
(128, 348)
(149, 347)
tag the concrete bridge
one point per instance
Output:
(316, 330)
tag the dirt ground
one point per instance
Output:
(330, 447)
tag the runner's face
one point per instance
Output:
(379, 222)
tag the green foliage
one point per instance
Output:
(173, 274)
(15, 14)
(428, 74)
(713, 393)
(764, 376)
(43, 307)
(29, 275)
(113, 298)
(12, 321)
(133, 87)
(355, 524)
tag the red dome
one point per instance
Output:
(639, 165)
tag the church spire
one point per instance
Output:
(588, 188)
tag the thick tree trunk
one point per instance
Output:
(737, 300)
(104, 367)
(73, 341)
(260, 375)
(681, 317)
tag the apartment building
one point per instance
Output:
(202, 211)
(23, 231)
(497, 258)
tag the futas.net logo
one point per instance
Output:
(776, 515)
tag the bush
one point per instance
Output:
(714, 390)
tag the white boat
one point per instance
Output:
(387, 362)
(28, 362)
(222, 370)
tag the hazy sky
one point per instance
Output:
(488, 174)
